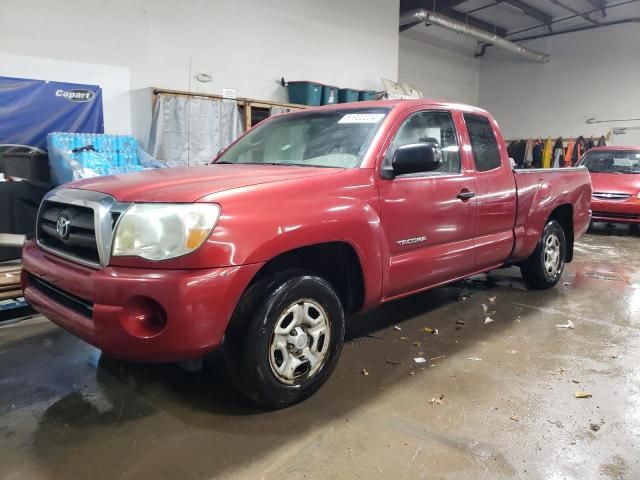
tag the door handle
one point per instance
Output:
(466, 195)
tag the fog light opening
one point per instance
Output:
(143, 317)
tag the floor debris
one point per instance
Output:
(437, 358)
(485, 307)
(492, 299)
(392, 362)
(460, 322)
(515, 418)
(475, 359)
(396, 327)
(581, 394)
(569, 324)
(594, 427)
(420, 360)
(437, 400)
(488, 320)
(433, 331)
(364, 371)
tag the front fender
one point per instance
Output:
(270, 221)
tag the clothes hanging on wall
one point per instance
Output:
(558, 153)
(579, 149)
(517, 151)
(546, 154)
(511, 149)
(536, 154)
(528, 155)
(569, 153)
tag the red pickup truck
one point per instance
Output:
(308, 217)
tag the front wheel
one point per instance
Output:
(544, 267)
(285, 339)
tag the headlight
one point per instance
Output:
(159, 231)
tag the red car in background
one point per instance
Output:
(615, 176)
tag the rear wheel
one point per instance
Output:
(544, 267)
(285, 339)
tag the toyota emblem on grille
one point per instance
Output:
(62, 227)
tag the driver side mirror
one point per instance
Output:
(415, 158)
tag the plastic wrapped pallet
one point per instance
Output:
(73, 156)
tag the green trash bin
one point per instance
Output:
(329, 94)
(366, 95)
(305, 93)
(346, 95)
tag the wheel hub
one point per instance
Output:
(300, 341)
(552, 255)
(298, 338)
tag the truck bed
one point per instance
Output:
(540, 192)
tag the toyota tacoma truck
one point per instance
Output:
(307, 218)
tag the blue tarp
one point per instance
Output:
(30, 109)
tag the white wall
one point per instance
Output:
(439, 63)
(592, 74)
(245, 44)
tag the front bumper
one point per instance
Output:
(197, 304)
(627, 211)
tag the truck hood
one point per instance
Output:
(616, 182)
(188, 184)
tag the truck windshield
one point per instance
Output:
(614, 161)
(330, 138)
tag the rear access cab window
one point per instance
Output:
(483, 143)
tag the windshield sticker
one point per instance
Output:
(361, 118)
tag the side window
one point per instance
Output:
(483, 143)
(436, 127)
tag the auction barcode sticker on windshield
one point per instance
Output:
(362, 118)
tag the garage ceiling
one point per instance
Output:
(520, 19)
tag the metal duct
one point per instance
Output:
(420, 15)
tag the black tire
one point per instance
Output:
(247, 345)
(536, 274)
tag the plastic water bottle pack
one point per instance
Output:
(73, 156)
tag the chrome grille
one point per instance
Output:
(80, 238)
(611, 196)
(90, 219)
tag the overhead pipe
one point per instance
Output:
(420, 15)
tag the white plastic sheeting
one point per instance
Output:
(189, 130)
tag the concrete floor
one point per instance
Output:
(508, 407)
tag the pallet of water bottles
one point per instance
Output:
(73, 156)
